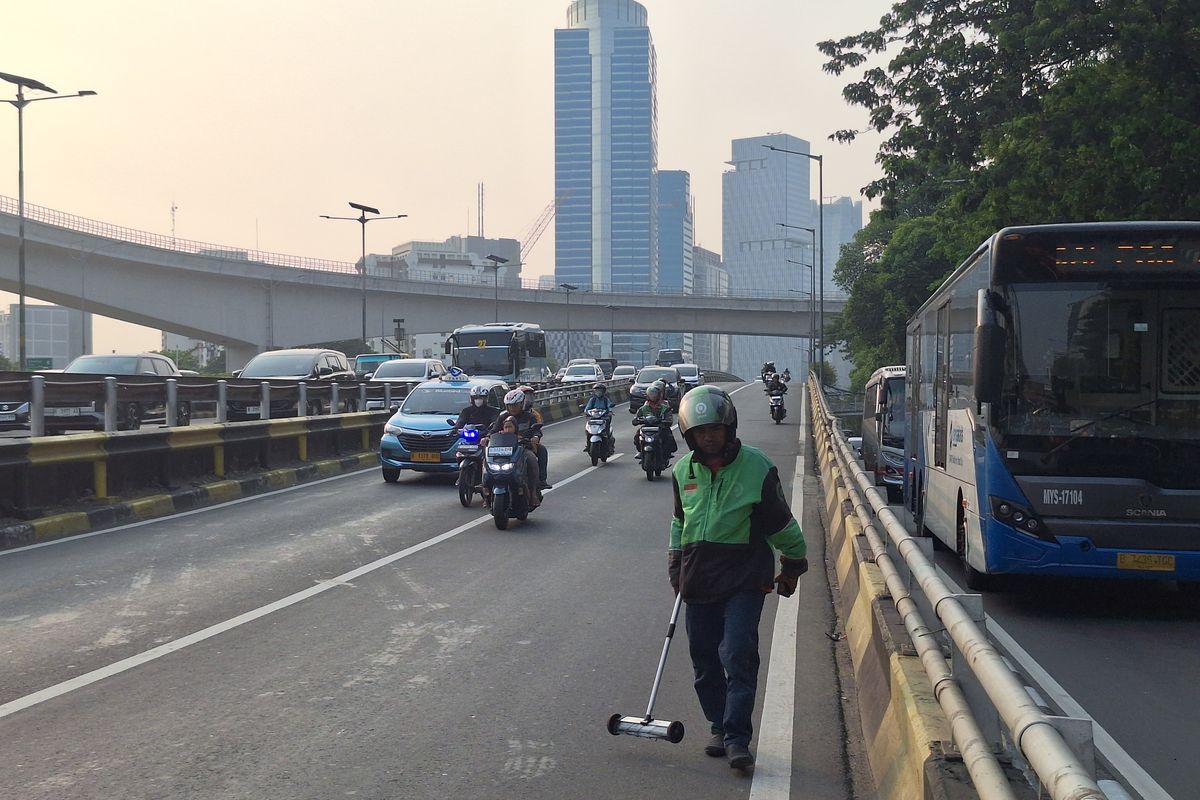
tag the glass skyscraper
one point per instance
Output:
(676, 237)
(606, 153)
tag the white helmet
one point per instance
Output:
(515, 398)
(479, 391)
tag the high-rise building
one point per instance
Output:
(203, 352)
(459, 258)
(54, 335)
(606, 152)
(676, 238)
(765, 191)
(708, 277)
(843, 219)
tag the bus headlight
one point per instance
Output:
(1020, 518)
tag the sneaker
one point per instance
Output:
(739, 756)
(544, 486)
(715, 746)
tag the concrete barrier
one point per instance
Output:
(908, 738)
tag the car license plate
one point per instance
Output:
(8, 417)
(1149, 562)
(433, 458)
(500, 451)
(253, 409)
(62, 412)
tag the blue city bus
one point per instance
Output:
(1054, 392)
(511, 351)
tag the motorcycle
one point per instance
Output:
(507, 489)
(654, 455)
(470, 467)
(601, 443)
(778, 412)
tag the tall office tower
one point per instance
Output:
(763, 192)
(606, 154)
(708, 277)
(843, 219)
(676, 238)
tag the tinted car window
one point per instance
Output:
(162, 367)
(651, 374)
(268, 365)
(402, 369)
(113, 365)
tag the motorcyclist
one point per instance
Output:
(478, 412)
(539, 450)
(598, 400)
(768, 369)
(528, 429)
(657, 406)
(775, 386)
(787, 375)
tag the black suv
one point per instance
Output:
(308, 364)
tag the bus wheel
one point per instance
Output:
(975, 580)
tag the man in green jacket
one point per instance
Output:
(730, 517)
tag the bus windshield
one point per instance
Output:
(484, 361)
(1100, 368)
(895, 426)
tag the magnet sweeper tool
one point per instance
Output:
(647, 727)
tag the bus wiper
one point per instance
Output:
(1078, 432)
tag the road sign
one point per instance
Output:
(39, 363)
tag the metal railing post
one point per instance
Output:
(172, 402)
(264, 410)
(387, 396)
(362, 397)
(222, 407)
(302, 400)
(110, 404)
(37, 406)
(334, 396)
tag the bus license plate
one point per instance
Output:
(433, 458)
(253, 409)
(1149, 562)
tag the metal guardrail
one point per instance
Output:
(103, 396)
(72, 222)
(1031, 732)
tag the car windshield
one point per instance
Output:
(401, 369)
(582, 369)
(270, 366)
(687, 372)
(113, 365)
(649, 375)
(443, 400)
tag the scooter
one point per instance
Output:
(507, 487)
(654, 456)
(470, 467)
(778, 412)
(601, 443)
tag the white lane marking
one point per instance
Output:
(205, 510)
(1133, 773)
(126, 664)
(773, 766)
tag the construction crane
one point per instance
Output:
(534, 232)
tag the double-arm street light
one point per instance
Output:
(19, 103)
(497, 262)
(569, 287)
(363, 219)
(820, 224)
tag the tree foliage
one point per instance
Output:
(1005, 112)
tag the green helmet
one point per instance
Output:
(706, 405)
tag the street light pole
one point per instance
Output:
(570, 287)
(19, 103)
(612, 330)
(363, 219)
(497, 261)
(812, 293)
(820, 159)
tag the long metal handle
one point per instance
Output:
(662, 661)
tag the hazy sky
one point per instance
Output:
(256, 116)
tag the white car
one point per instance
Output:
(583, 373)
(624, 371)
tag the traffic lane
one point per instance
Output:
(487, 663)
(77, 605)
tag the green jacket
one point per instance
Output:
(663, 412)
(726, 525)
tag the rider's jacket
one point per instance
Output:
(526, 420)
(727, 524)
(485, 416)
(662, 411)
(598, 402)
(776, 388)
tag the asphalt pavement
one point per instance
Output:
(355, 638)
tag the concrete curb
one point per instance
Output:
(72, 523)
(908, 738)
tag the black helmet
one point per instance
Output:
(597, 386)
(706, 405)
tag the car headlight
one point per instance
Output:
(389, 428)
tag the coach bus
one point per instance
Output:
(1054, 392)
(883, 429)
(510, 351)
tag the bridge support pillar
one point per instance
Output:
(238, 353)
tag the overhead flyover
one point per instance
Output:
(250, 301)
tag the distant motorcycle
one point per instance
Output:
(601, 443)
(654, 453)
(470, 464)
(507, 487)
(778, 412)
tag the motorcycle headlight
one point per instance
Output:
(506, 467)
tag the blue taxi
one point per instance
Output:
(420, 436)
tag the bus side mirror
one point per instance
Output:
(447, 347)
(988, 362)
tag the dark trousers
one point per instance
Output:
(723, 640)
(543, 460)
